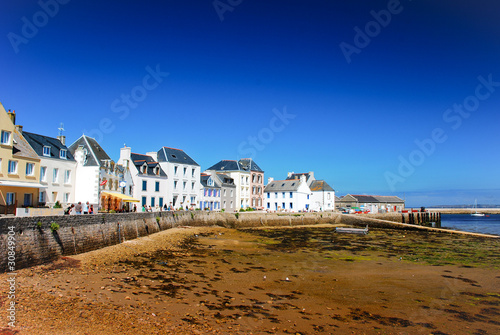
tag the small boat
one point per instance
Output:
(476, 213)
(352, 230)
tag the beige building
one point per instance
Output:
(19, 167)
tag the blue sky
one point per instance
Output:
(367, 94)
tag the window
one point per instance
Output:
(231, 196)
(30, 169)
(12, 167)
(144, 185)
(66, 197)
(157, 186)
(175, 170)
(160, 201)
(62, 154)
(268, 205)
(55, 175)
(5, 137)
(11, 198)
(225, 195)
(157, 170)
(67, 176)
(291, 195)
(144, 169)
(153, 201)
(192, 185)
(276, 195)
(231, 205)
(46, 150)
(283, 205)
(0, 166)
(185, 171)
(144, 201)
(43, 173)
(209, 192)
(175, 184)
(328, 196)
(192, 173)
(268, 195)
(184, 185)
(193, 200)
(291, 205)
(41, 196)
(308, 197)
(283, 194)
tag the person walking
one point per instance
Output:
(78, 208)
(86, 208)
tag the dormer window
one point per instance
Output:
(157, 170)
(63, 154)
(5, 139)
(46, 150)
(144, 169)
(173, 156)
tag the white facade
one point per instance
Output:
(183, 185)
(150, 183)
(323, 200)
(59, 177)
(87, 180)
(287, 195)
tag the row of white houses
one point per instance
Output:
(41, 171)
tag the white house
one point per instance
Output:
(322, 194)
(149, 179)
(57, 169)
(183, 186)
(99, 181)
(287, 195)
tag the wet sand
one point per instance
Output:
(302, 280)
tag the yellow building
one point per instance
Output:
(19, 167)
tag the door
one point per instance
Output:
(28, 199)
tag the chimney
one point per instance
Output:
(290, 174)
(62, 139)
(270, 180)
(125, 153)
(12, 116)
(153, 155)
(311, 176)
(303, 178)
(18, 127)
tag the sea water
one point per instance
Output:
(488, 224)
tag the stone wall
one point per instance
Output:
(36, 243)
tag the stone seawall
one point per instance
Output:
(36, 243)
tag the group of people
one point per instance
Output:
(79, 208)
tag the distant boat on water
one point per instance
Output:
(476, 212)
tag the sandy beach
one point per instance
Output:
(301, 280)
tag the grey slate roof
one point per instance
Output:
(37, 142)
(298, 175)
(226, 180)
(320, 185)
(376, 198)
(250, 162)
(95, 153)
(139, 160)
(172, 155)
(204, 181)
(282, 186)
(245, 164)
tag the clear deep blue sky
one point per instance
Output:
(352, 120)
